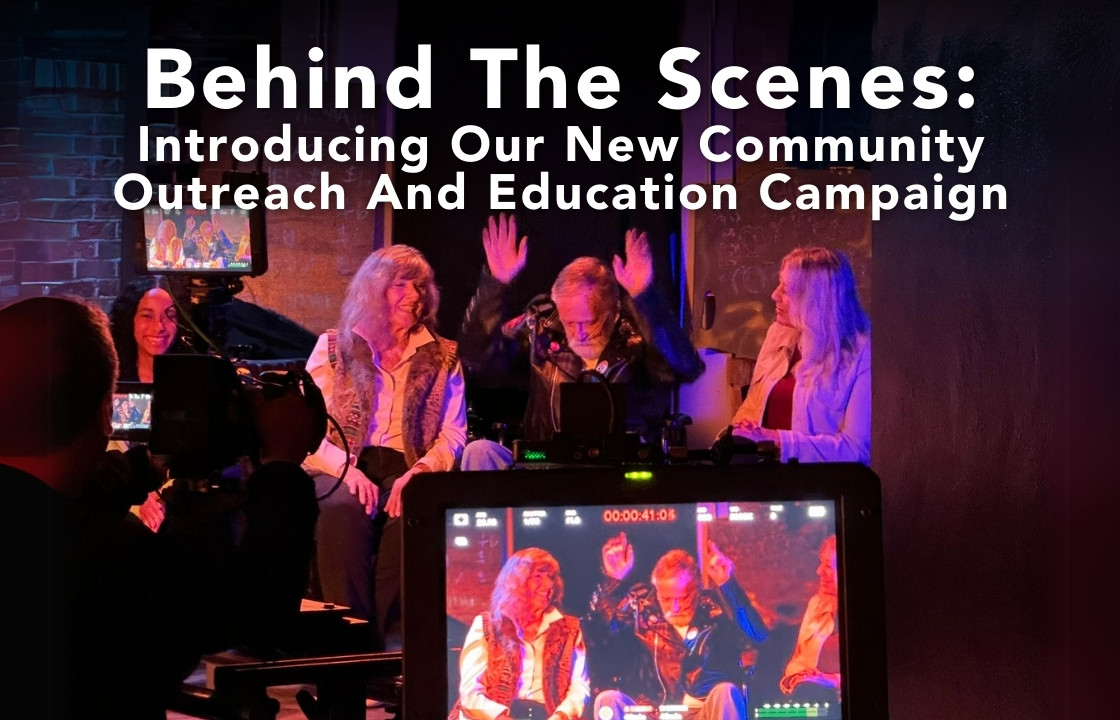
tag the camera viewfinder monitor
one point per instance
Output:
(804, 545)
(132, 411)
(227, 241)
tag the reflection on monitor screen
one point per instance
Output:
(761, 616)
(201, 241)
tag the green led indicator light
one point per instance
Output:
(534, 455)
(638, 475)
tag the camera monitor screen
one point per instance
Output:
(225, 241)
(756, 587)
(132, 411)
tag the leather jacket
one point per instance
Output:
(641, 654)
(648, 352)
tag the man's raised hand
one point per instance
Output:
(636, 274)
(720, 567)
(505, 255)
(618, 557)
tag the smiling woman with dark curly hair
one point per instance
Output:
(144, 321)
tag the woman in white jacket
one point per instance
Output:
(810, 393)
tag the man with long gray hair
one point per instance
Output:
(604, 320)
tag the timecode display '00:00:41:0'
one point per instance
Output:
(631, 515)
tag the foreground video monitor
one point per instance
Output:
(784, 600)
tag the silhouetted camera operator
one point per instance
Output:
(113, 616)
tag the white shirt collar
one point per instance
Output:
(420, 336)
(550, 616)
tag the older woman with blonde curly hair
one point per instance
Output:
(524, 636)
(810, 393)
(397, 389)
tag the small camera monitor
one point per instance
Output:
(132, 411)
(223, 241)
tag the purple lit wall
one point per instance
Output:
(61, 148)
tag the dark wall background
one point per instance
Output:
(974, 325)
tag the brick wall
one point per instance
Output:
(61, 147)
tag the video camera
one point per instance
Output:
(204, 415)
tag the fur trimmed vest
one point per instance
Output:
(424, 391)
(503, 665)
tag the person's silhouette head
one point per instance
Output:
(59, 370)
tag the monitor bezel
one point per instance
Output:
(258, 244)
(853, 487)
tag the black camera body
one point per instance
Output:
(205, 415)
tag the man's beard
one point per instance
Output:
(681, 619)
(597, 341)
(590, 350)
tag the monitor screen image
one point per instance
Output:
(132, 411)
(759, 583)
(775, 555)
(198, 241)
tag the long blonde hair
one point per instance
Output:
(830, 317)
(366, 298)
